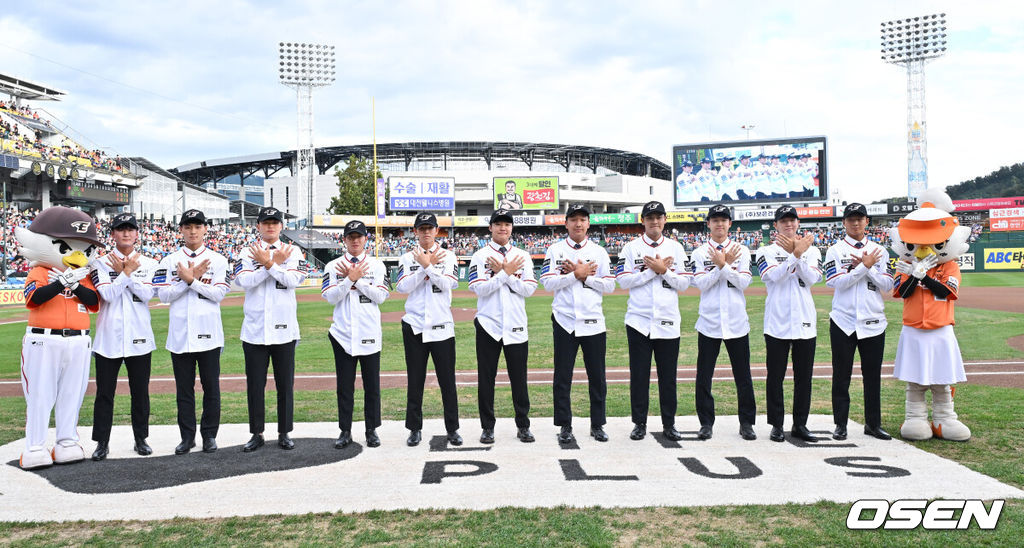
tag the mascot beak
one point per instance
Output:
(923, 251)
(76, 260)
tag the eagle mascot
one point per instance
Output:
(928, 242)
(59, 245)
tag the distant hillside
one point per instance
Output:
(1005, 181)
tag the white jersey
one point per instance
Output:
(789, 309)
(123, 326)
(194, 314)
(857, 305)
(428, 309)
(577, 304)
(356, 323)
(270, 310)
(723, 308)
(501, 297)
(653, 306)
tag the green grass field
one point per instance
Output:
(997, 449)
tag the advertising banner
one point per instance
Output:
(421, 193)
(813, 212)
(982, 204)
(471, 220)
(875, 209)
(966, 261)
(524, 220)
(686, 216)
(902, 208)
(1006, 219)
(1004, 258)
(554, 220)
(519, 193)
(12, 296)
(612, 218)
(753, 214)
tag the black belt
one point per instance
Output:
(61, 332)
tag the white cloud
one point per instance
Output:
(639, 77)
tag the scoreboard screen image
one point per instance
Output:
(792, 169)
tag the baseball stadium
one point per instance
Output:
(679, 486)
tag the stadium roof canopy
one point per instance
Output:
(489, 152)
(27, 89)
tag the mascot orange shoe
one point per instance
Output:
(928, 242)
(56, 350)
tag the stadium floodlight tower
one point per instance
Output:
(305, 66)
(911, 43)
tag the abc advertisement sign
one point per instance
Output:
(1004, 258)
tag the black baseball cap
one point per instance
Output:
(270, 213)
(705, 160)
(357, 227)
(124, 219)
(786, 211)
(192, 217)
(719, 210)
(652, 208)
(501, 215)
(855, 209)
(425, 219)
(576, 209)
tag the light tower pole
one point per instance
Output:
(304, 66)
(911, 43)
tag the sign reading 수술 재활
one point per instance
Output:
(421, 193)
(519, 193)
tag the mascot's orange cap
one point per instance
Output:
(926, 226)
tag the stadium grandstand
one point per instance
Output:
(44, 163)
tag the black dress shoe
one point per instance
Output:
(877, 432)
(285, 442)
(777, 434)
(343, 440)
(454, 438)
(598, 433)
(142, 448)
(372, 439)
(414, 438)
(525, 435)
(209, 445)
(747, 432)
(101, 451)
(704, 433)
(840, 433)
(671, 433)
(565, 435)
(639, 432)
(487, 436)
(184, 447)
(801, 431)
(254, 443)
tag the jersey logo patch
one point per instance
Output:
(367, 341)
(364, 299)
(204, 336)
(138, 341)
(280, 285)
(589, 322)
(281, 326)
(517, 329)
(160, 276)
(435, 289)
(872, 286)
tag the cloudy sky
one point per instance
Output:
(199, 81)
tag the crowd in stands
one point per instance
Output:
(23, 140)
(161, 238)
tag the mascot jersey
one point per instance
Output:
(64, 311)
(922, 309)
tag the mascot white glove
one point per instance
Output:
(70, 277)
(904, 267)
(922, 267)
